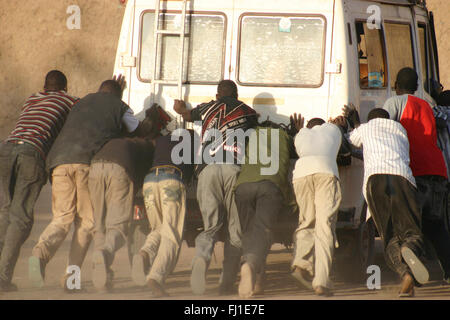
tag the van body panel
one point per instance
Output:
(320, 87)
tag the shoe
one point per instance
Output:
(7, 286)
(303, 278)
(407, 286)
(36, 271)
(247, 283)
(99, 270)
(418, 269)
(157, 290)
(323, 291)
(198, 276)
(138, 269)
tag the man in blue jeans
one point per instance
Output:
(22, 167)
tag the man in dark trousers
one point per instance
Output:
(22, 167)
(263, 193)
(216, 180)
(97, 118)
(391, 194)
(427, 161)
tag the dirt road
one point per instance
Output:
(279, 286)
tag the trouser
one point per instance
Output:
(318, 197)
(112, 197)
(165, 202)
(216, 200)
(70, 204)
(392, 201)
(432, 192)
(259, 204)
(22, 176)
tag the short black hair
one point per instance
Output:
(407, 79)
(378, 113)
(55, 80)
(315, 122)
(111, 86)
(444, 98)
(227, 88)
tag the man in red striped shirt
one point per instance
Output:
(22, 167)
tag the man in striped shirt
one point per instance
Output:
(391, 194)
(22, 167)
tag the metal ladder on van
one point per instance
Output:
(156, 36)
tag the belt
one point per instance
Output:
(167, 169)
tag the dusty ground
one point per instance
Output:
(279, 286)
(34, 39)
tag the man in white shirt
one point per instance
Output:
(391, 194)
(318, 193)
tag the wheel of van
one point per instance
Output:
(137, 234)
(363, 253)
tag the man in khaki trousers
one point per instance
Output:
(96, 119)
(318, 192)
(165, 201)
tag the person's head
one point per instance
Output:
(227, 88)
(315, 122)
(55, 81)
(111, 86)
(378, 113)
(407, 81)
(444, 98)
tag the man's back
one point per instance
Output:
(96, 119)
(317, 149)
(416, 116)
(43, 115)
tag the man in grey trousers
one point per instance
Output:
(216, 180)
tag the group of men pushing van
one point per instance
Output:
(99, 156)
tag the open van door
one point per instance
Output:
(436, 86)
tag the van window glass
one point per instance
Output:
(424, 56)
(203, 50)
(399, 48)
(371, 57)
(282, 51)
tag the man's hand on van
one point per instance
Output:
(297, 122)
(120, 79)
(352, 115)
(179, 106)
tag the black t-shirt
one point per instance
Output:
(163, 154)
(135, 155)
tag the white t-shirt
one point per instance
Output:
(317, 149)
(130, 121)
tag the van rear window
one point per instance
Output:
(282, 50)
(203, 50)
